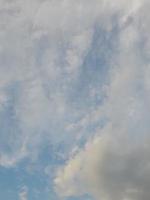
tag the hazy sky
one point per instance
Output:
(74, 99)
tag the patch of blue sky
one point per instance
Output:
(34, 178)
(9, 184)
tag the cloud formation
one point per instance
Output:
(76, 71)
(115, 164)
(23, 193)
(39, 63)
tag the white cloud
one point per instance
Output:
(108, 169)
(41, 52)
(43, 48)
(23, 195)
(115, 164)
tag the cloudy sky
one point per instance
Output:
(75, 99)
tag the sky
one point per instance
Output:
(74, 99)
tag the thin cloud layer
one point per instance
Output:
(76, 72)
(114, 164)
(41, 53)
(44, 47)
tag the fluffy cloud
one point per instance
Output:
(108, 169)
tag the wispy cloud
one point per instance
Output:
(115, 163)
(23, 193)
(39, 62)
(76, 72)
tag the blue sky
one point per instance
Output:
(74, 100)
